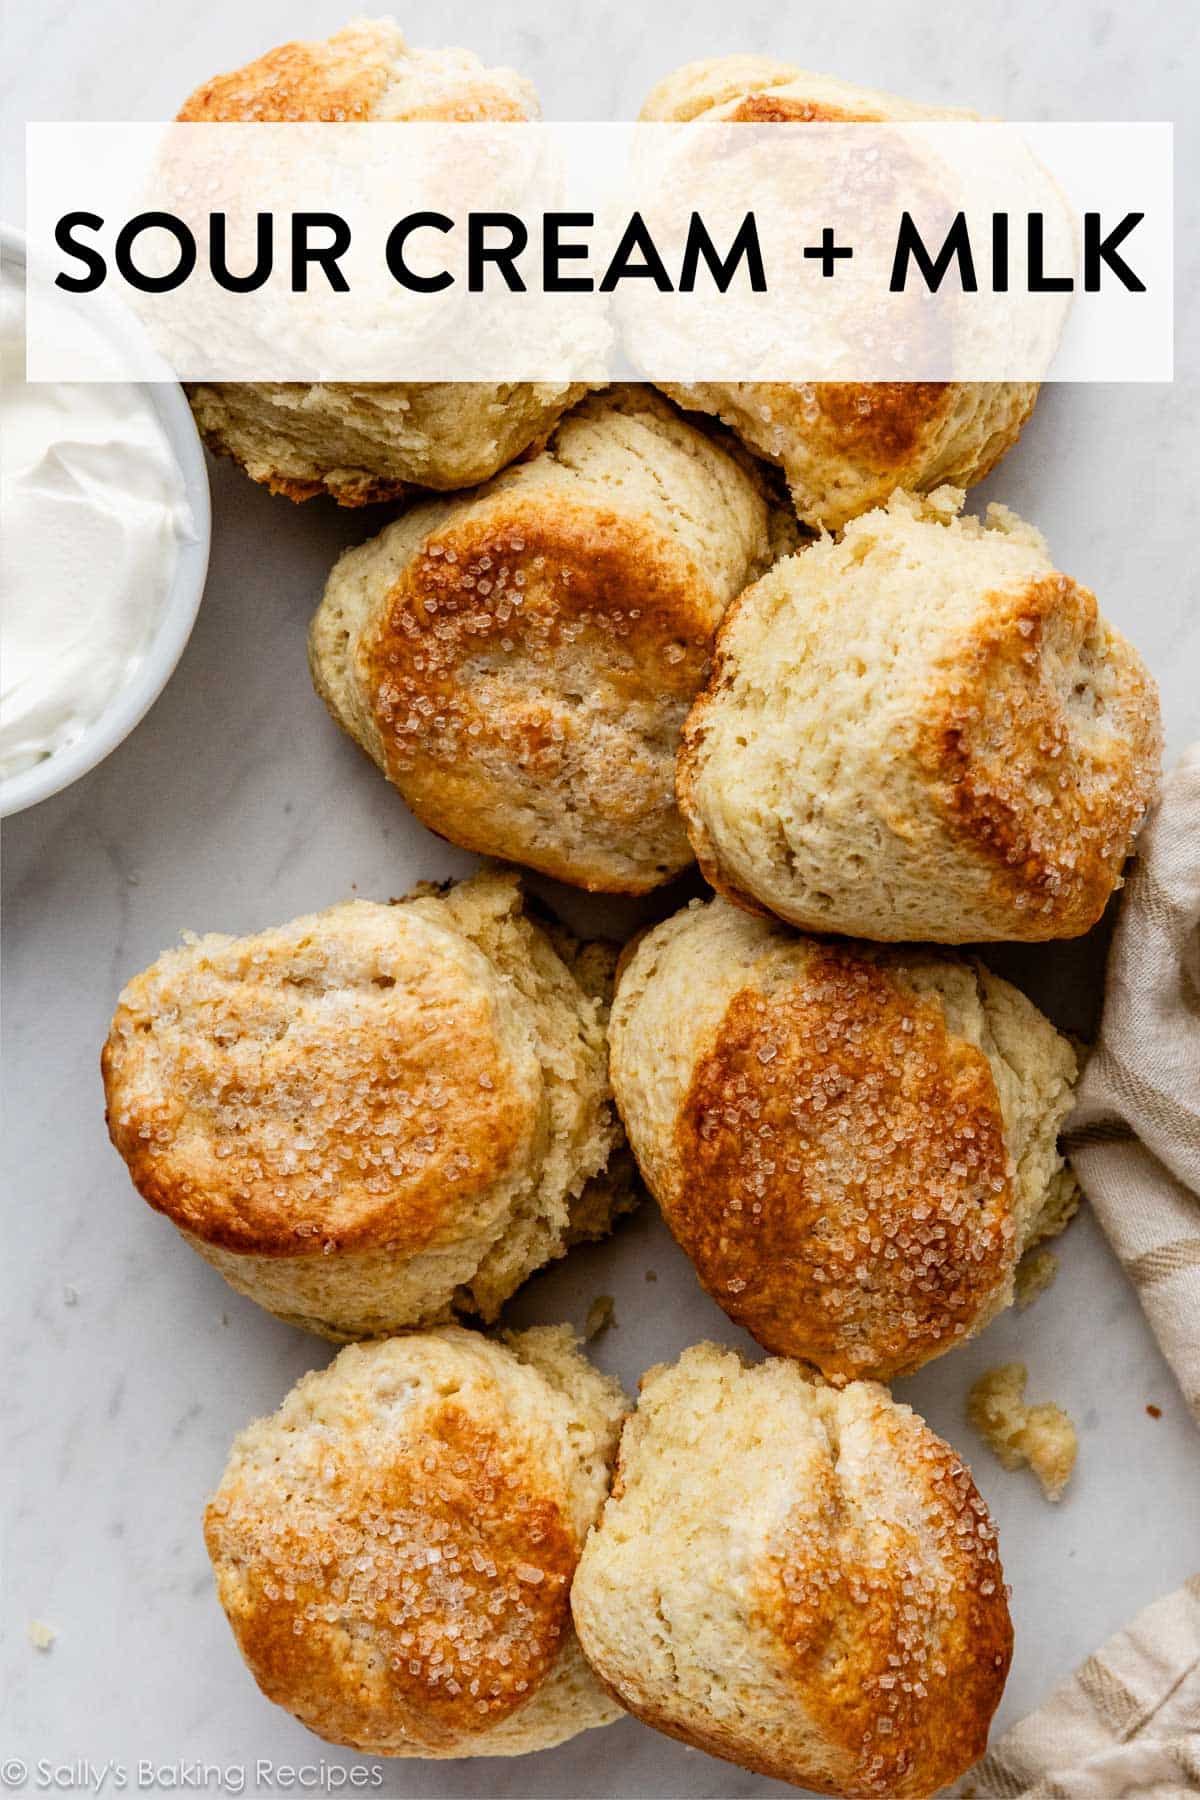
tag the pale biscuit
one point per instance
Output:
(842, 445)
(921, 731)
(374, 1116)
(368, 442)
(519, 662)
(394, 1548)
(854, 1146)
(801, 1580)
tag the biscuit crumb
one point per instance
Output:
(1042, 1436)
(601, 1317)
(1035, 1273)
(1059, 1206)
(651, 1274)
(1154, 1411)
(41, 1635)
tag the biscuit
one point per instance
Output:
(921, 731)
(853, 1146)
(800, 1580)
(374, 1116)
(759, 90)
(519, 662)
(371, 441)
(843, 446)
(365, 72)
(394, 1548)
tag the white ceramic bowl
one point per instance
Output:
(131, 702)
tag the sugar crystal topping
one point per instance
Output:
(431, 1565)
(309, 1094)
(846, 1190)
(889, 1598)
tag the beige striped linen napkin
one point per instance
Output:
(1134, 1137)
(1128, 1721)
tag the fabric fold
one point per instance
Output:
(1134, 1137)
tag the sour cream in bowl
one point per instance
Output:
(104, 534)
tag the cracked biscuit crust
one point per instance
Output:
(802, 1580)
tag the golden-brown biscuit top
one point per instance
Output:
(550, 576)
(350, 1080)
(1042, 746)
(879, 1608)
(519, 662)
(362, 72)
(845, 1191)
(475, 666)
(887, 421)
(392, 1552)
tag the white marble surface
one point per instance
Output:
(129, 1365)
